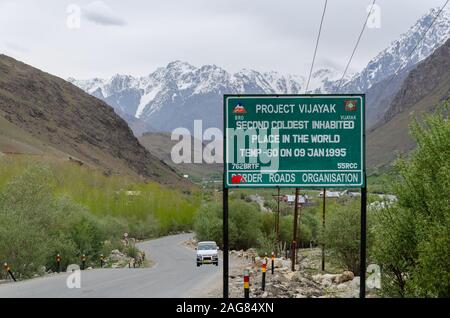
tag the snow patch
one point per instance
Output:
(145, 100)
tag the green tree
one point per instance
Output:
(413, 237)
(342, 234)
(244, 224)
(36, 224)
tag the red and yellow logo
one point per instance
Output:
(239, 109)
(350, 105)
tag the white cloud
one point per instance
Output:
(99, 12)
(135, 37)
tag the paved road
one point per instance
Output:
(174, 274)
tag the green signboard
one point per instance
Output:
(294, 141)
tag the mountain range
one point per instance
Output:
(174, 95)
(423, 89)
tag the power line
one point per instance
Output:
(357, 43)
(317, 44)
(417, 43)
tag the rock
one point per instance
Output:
(290, 275)
(326, 281)
(89, 268)
(317, 278)
(345, 277)
(354, 282)
(299, 296)
(278, 262)
(116, 256)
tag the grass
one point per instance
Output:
(113, 196)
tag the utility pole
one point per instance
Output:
(225, 242)
(294, 239)
(362, 260)
(323, 227)
(278, 217)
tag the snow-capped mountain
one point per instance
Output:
(181, 89)
(175, 95)
(396, 55)
(169, 90)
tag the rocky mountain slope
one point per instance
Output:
(425, 87)
(41, 113)
(175, 95)
(160, 145)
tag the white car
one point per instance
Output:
(207, 253)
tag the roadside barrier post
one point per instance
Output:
(83, 262)
(58, 263)
(273, 262)
(263, 270)
(102, 259)
(8, 271)
(246, 283)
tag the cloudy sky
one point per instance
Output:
(87, 38)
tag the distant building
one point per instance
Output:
(388, 197)
(350, 193)
(330, 194)
(290, 199)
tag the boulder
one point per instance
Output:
(354, 283)
(324, 279)
(289, 275)
(345, 277)
(278, 262)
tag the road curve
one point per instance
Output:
(174, 274)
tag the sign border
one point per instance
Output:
(299, 185)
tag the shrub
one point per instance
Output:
(342, 235)
(131, 251)
(413, 237)
(243, 225)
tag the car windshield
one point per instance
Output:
(207, 246)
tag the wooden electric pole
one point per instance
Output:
(278, 217)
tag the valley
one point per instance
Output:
(122, 176)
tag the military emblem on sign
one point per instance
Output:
(350, 105)
(239, 109)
